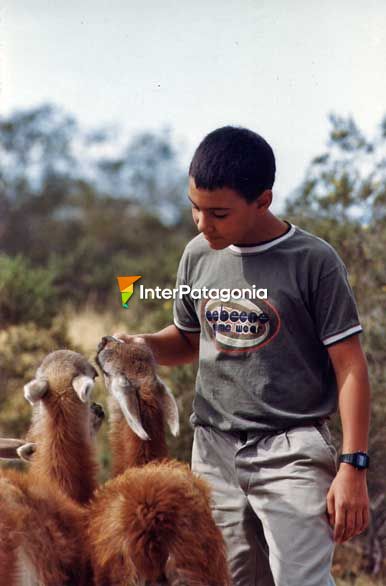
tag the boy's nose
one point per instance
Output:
(204, 224)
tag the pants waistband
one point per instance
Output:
(243, 434)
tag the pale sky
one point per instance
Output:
(277, 66)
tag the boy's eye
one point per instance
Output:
(217, 215)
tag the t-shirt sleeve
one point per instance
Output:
(184, 312)
(335, 310)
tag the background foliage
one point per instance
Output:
(76, 210)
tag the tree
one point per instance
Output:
(148, 172)
(26, 295)
(343, 200)
(65, 206)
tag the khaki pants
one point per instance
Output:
(269, 499)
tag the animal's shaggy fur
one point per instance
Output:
(135, 362)
(62, 428)
(156, 520)
(42, 522)
(152, 524)
(39, 524)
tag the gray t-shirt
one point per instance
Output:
(263, 363)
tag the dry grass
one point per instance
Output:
(88, 326)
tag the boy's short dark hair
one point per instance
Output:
(236, 158)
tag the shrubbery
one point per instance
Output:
(22, 348)
(27, 294)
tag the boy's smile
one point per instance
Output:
(225, 218)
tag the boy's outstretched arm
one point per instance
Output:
(170, 346)
(347, 499)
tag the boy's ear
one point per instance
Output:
(264, 201)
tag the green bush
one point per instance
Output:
(26, 293)
(22, 348)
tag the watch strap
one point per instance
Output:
(359, 460)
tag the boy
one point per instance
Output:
(272, 368)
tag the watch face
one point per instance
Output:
(361, 460)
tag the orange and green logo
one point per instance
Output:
(126, 287)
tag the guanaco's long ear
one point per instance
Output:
(26, 451)
(97, 417)
(170, 408)
(83, 386)
(125, 394)
(35, 390)
(8, 448)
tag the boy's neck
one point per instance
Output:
(270, 227)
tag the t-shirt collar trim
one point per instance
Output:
(262, 247)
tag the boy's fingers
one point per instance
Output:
(130, 337)
(123, 337)
(364, 520)
(359, 522)
(340, 525)
(331, 519)
(351, 527)
(331, 510)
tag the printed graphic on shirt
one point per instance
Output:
(240, 325)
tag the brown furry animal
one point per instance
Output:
(152, 524)
(139, 404)
(62, 424)
(42, 521)
(40, 533)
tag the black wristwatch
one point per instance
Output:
(359, 460)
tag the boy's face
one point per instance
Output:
(224, 217)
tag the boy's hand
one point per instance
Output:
(170, 346)
(127, 337)
(348, 503)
